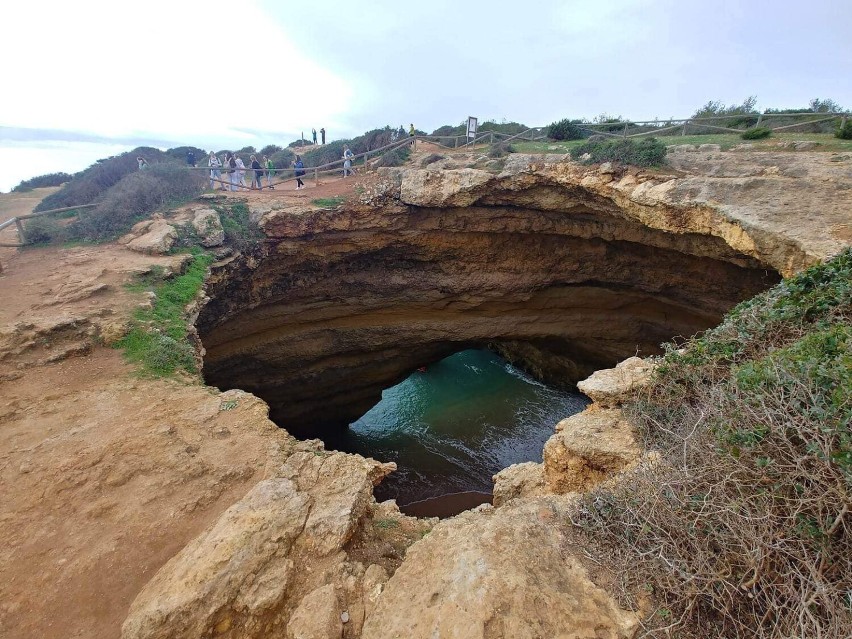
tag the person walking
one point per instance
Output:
(231, 169)
(270, 171)
(143, 164)
(215, 165)
(322, 134)
(412, 133)
(258, 173)
(347, 161)
(190, 158)
(299, 172)
(314, 134)
(241, 170)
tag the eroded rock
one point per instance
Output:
(587, 449)
(158, 238)
(271, 560)
(611, 387)
(497, 573)
(209, 227)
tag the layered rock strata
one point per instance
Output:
(563, 269)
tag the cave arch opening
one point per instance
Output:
(323, 317)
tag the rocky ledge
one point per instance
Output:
(562, 268)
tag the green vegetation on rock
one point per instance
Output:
(646, 152)
(757, 133)
(741, 525)
(158, 341)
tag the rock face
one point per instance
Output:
(490, 574)
(563, 269)
(611, 387)
(587, 449)
(152, 237)
(274, 562)
(208, 226)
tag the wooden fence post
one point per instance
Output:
(683, 132)
(316, 177)
(625, 129)
(21, 235)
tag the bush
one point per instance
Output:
(500, 150)
(844, 132)
(179, 154)
(44, 230)
(90, 184)
(741, 527)
(41, 181)
(647, 152)
(741, 116)
(757, 133)
(566, 130)
(134, 198)
(270, 149)
(395, 157)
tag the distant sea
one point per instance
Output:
(21, 160)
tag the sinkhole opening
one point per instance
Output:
(452, 425)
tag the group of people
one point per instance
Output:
(234, 169)
(314, 135)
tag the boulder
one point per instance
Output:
(611, 387)
(209, 227)
(317, 617)
(269, 555)
(587, 449)
(497, 573)
(709, 147)
(805, 145)
(157, 239)
(519, 480)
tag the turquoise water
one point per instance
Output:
(452, 427)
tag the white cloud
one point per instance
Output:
(177, 70)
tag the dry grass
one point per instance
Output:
(741, 526)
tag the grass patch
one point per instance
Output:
(743, 527)
(386, 523)
(328, 202)
(158, 340)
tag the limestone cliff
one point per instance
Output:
(562, 268)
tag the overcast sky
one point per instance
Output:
(89, 78)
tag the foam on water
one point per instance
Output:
(451, 428)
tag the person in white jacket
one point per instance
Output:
(215, 165)
(241, 170)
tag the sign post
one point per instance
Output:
(471, 128)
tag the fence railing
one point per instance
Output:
(22, 237)
(655, 127)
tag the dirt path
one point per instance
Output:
(105, 475)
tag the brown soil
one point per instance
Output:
(106, 475)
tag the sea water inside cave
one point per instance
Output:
(451, 427)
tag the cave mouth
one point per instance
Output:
(451, 425)
(337, 306)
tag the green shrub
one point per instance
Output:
(395, 157)
(134, 197)
(741, 526)
(41, 181)
(756, 133)
(736, 116)
(44, 230)
(647, 152)
(566, 130)
(500, 150)
(844, 132)
(91, 184)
